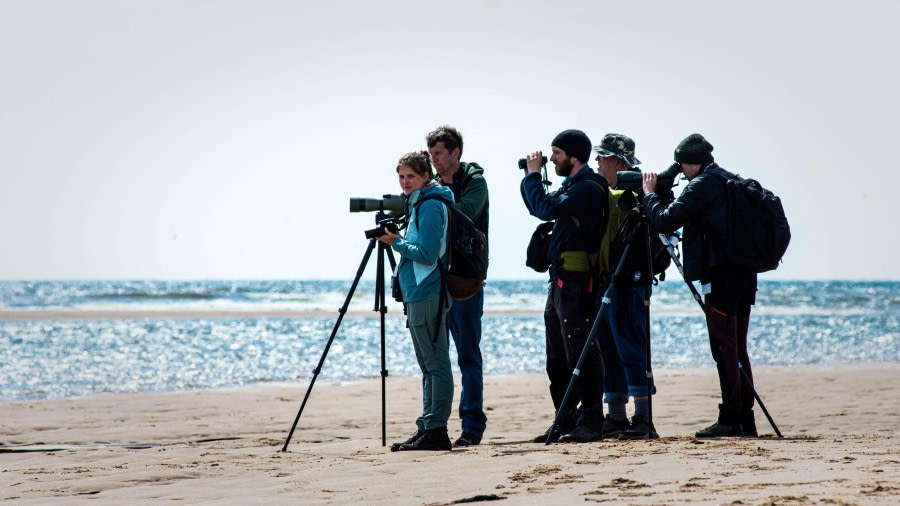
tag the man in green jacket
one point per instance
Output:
(470, 192)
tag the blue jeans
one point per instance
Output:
(464, 322)
(624, 352)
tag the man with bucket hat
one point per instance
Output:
(618, 146)
(623, 330)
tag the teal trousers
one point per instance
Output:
(434, 360)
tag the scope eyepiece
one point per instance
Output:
(631, 180)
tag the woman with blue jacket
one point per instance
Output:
(420, 281)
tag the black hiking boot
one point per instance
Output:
(612, 428)
(467, 439)
(728, 425)
(430, 440)
(720, 430)
(639, 429)
(748, 424)
(396, 446)
(581, 435)
(553, 438)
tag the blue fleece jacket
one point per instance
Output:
(423, 244)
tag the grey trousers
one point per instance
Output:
(434, 361)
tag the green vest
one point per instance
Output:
(616, 216)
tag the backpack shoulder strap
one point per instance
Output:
(722, 173)
(599, 185)
(419, 202)
(433, 197)
(443, 270)
(594, 258)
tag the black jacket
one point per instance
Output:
(583, 197)
(702, 210)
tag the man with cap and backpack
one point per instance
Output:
(579, 214)
(729, 288)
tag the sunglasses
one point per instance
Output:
(442, 133)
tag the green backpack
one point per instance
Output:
(613, 246)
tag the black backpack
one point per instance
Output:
(537, 256)
(757, 232)
(467, 253)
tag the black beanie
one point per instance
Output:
(574, 143)
(694, 149)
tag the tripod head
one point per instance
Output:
(383, 220)
(629, 202)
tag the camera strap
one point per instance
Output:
(442, 299)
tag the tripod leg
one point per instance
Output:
(671, 250)
(648, 266)
(758, 399)
(390, 255)
(384, 372)
(337, 324)
(381, 307)
(699, 300)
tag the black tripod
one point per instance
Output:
(670, 248)
(380, 307)
(634, 224)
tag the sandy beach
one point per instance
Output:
(841, 446)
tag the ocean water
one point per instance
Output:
(793, 323)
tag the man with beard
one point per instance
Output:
(579, 211)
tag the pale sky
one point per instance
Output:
(223, 139)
